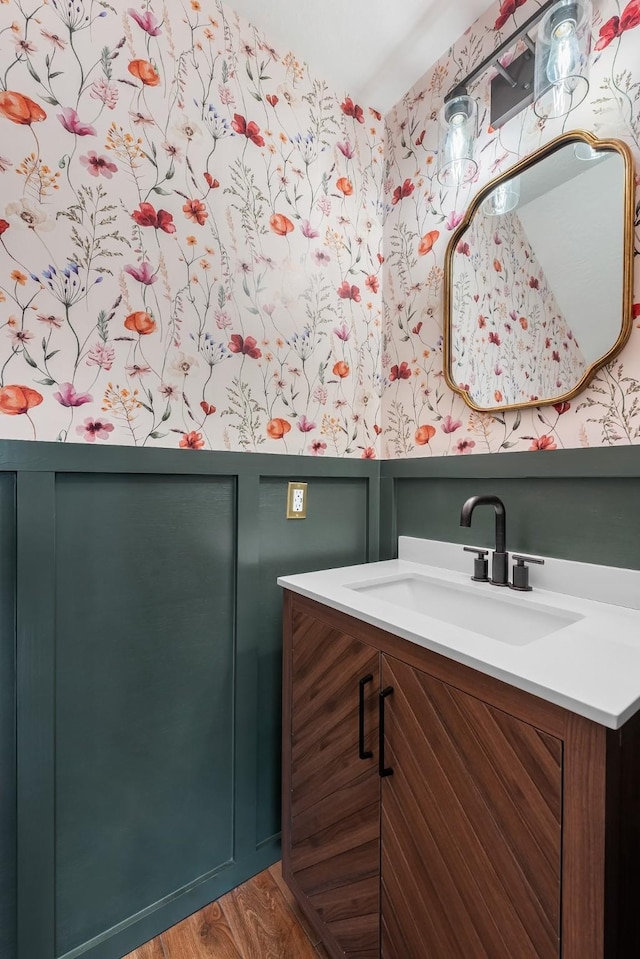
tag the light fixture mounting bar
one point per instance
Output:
(493, 58)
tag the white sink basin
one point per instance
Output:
(497, 613)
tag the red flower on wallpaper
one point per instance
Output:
(278, 428)
(192, 441)
(351, 109)
(495, 339)
(406, 189)
(401, 372)
(146, 215)
(341, 369)
(561, 408)
(248, 347)
(4, 226)
(15, 400)
(20, 109)
(196, 211)
(347, 292)
(207, 408)
(426, 243)
(212, 183)
(507, 9)
(272, 99)
(424, 434)
(145, 72)
(616, 26)
(281, 224)
(250, 130)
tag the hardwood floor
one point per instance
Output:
(259, 920)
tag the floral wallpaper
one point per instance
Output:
(190, 235)
(422, 417)
(511, 342)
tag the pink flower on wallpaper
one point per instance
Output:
(542, 443)
(73, 124)
(321, 258)
(95, 429)
(101, 355)
(463, 447)
(342, 332)
(223, 320)
(147, 21)
(304, 425)
(318, 448)
(347, 292)
(308, 230)
(97, 165)
(454, 220)
(106, 92)
(324, 205)
(69, 397)
(225, 95)
(346, 149)
(449, 425)
(143, 273)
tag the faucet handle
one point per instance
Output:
(521, 571)
(480, 564)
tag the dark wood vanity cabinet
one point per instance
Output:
(507, 826)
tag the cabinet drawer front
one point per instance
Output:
(471, 827)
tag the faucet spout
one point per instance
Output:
(500, 565)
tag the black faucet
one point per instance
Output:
(500, 557)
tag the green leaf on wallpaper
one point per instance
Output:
(169, 175)
(29, 359)
(50, 356)
(32, 71)
(252, 309)
(161, 192)
(46, 382)
(508, 444)
(51, 100)
(245, 286)
(44, 344)
(56, 73)
(222, 297)
(157, 435)
(249, 73)
(225, 71)
(256, 96)
(166, 414)
(517, 421)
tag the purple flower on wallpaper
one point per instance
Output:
(342, 332)
(304, 425)
(318, 448)
(454, 220)
(450, 425)
(73, 124)
(95, 429)
(143, 273)
(308, 230)
(101, 355)
(69, 397)
(346, 149)
(321, 258)
(147, 21)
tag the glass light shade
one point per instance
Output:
(503, 198)
(563, 45)
(458, 131)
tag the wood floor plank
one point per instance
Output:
(263, 925)
(150, 950)
(205, 935)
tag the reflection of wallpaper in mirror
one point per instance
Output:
(510, 340)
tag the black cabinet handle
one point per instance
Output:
(384, 771)
(362, 753)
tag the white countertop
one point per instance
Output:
(591, 666)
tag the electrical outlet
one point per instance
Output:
(297, 501)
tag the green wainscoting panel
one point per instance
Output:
(7, 717)
(335, 533)
(573, 504)
(144, 713)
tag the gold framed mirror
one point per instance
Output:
(539, 276)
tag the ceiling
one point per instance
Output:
(372, 50)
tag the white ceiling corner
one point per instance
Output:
(372, 50)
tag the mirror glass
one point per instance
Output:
(539, 278)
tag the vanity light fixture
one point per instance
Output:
(457, 137)
(552, 70)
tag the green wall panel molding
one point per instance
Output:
(7, 716)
